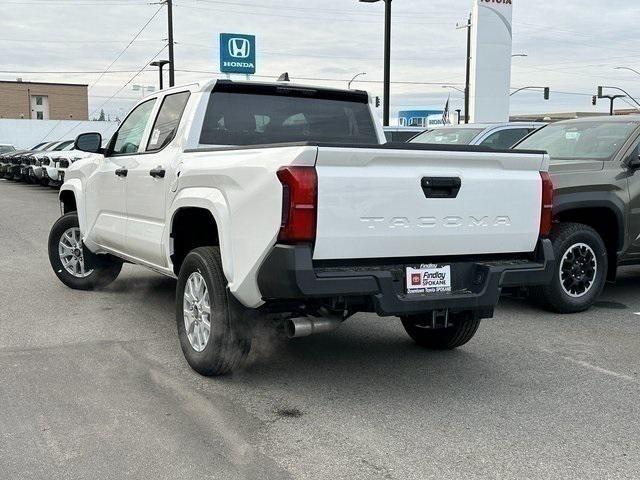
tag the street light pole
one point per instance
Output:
(467, 82)
(354, 77)
(387, 61)
(627, 94)
(160, 64)
(387, 58)
(628, 68)
(612, 99)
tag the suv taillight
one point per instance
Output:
(546, 218)
(299, 204)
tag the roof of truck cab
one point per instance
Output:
(208, 84)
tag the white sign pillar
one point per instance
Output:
(491, 49)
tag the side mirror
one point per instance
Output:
(89, 142)
(634, 162)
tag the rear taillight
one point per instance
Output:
(546, 218)
(299, 204)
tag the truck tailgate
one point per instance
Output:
(387, 203)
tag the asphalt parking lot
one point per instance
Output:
(94, 385)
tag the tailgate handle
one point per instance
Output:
(441, 187)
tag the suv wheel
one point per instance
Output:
(581, 269)
(215, 330)
(73, 263)
(462, 327)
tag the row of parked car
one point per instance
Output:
(45, 163)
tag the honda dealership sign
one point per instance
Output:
(491, 60)
(237, 53)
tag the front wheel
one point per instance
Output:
(581, 269)
(460, 330)
(215, 330)
(73, 263)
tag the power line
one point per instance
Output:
(121, 88)
(127, 47)
(306, 17)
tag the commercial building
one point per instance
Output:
(43, 101)
(420, 118)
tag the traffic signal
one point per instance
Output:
(594, 100)
(599, 92)
(377, 102)
(546, 93)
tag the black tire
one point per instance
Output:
(231, 324)
(463, 327)
(105, 268)
(554, 296)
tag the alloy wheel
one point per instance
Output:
(197, 311)
(578, 269)
(72, 254)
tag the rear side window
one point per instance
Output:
(255, 119)
(505, 139)
(167, 121)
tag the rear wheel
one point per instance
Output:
(215, 330)
(581, 269)
(462, 327)
(73, 263)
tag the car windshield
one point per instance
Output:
(582, 141)
(68, 145)
(6, 148)
(448, 136)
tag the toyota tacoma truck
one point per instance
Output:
(595, 165)
(282, 201)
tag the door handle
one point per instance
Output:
(122, 172)
(441, 187)
(157, 172)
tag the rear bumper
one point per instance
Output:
(288, 273)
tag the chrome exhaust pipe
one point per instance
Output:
(303, 327)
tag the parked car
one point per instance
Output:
(6, 159)
(6, 148)
(594, 168)
(496, 135)
(45, 167)
(62, 161)
(33, 167)
(197, 184)
(20, 160)
(401, 134)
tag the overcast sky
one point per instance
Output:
(572, 45)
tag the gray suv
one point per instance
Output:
(595, 165)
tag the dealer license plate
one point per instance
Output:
(429, 279)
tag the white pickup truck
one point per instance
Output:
(278, 200)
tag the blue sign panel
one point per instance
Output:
(237, 53)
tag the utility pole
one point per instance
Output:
(172, 68)
(387, 58)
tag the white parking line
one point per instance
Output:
(595, 368)
(592, 367)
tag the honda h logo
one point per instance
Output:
(239, 47)
(237, 53)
